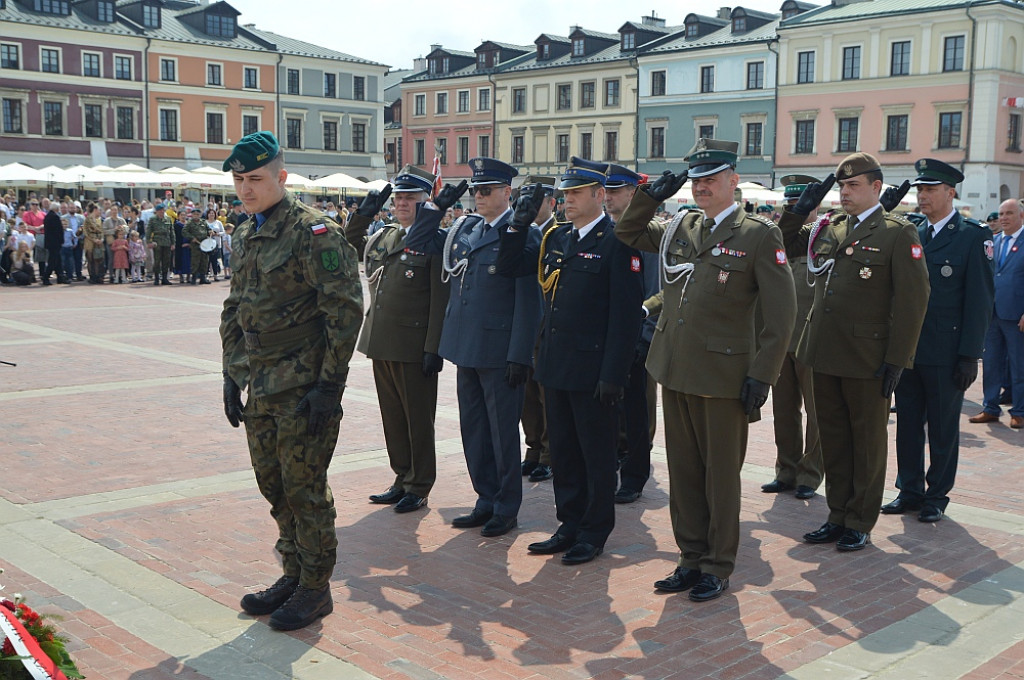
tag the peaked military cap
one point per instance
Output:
(546, 183)
(795, 184)
(583, 173)
(711, 156)
(931, 171)
(411, 178)
(856, 164)
(252, 151)
(490, 171)
(621, 176)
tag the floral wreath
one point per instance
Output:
(32, 649)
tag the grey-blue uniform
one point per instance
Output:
(592, 315)
(491, 322)
(958, 253)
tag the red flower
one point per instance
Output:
(8, 604)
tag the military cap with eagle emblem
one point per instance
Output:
(252, 151)
(856, 164)
(711, 156)
(410, 178)
(583, 173)
(931, 171)
(491, 171)
(795, 184)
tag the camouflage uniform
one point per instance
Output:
(291, 320)
(160, 232)
(194, 233)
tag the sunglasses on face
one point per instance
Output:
(481, 191)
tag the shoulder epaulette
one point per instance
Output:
(761, 219)
(974, 223)
(899, 219)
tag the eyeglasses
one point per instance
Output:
(481, 191)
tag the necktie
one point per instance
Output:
(1005, 249)
(928, 233)
(706, 228)
(852, 224)
(570, 244)
(478, 233)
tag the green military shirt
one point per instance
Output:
(295, 305)
(196, 229)
(160, 231)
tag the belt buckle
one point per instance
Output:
(252, 339)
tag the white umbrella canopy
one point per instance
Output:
(377, 184)
(18, 174)
(297, 182)
(339, 181)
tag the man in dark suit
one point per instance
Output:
(869, 302)
(798, 450)
(1004, 342)
(401, 334)
(719, 261)
(53, 239)
(958, 253)
(593, 294)
(490, 328)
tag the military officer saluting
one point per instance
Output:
(718, 262)
(869, 301)
(593, 294)
(160, 234)
(401, 334)
(288, 329)
(798, 450)
(958, 252)
(490, 328)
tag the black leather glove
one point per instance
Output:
(432, 364)
(448, 195)
(891, 197)
(890, 376)
(666, 186)
(233, 401)
(516, 374)
(319, 403)
(608, 394)
(965, 373)
(374, 202)
(527, 206)
(753, 394)
(812, 196)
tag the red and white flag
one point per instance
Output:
(436, 171)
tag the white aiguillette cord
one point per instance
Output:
(453, 268)
(814, 269)
(672, 273)
(370, 243)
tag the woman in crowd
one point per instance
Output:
(23, 271)
(216, 229)
(95, 249)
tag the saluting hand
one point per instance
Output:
(374, 202)
(812, 196)
(319, 403)
(448, 196)
(892, 196)
(527, 207)
(753, 394)
(666, 186)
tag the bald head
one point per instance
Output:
(1011, 216)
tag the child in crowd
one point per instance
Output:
(67, 250)
(119, 253)
(136, 256)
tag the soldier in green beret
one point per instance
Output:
(193, 234)
(288, 329)
(870, 299)
(160, 235)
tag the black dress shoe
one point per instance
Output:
(1005, 398)
(827, 533)
(556, 544)
(498, 525)
(804, 492)
(410, 502)
(626, 496)
(853, 540)
(305, 606)
(541, 472)
(708, 587)
(267, 601)
(477, 518)
(581, 553)
(683, 578)
(899, 506)
(529, 466)
(776, 487)
(392, 495)
(929, 513)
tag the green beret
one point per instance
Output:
(252, 152)
(992, 216)
(236, 202)
(856, 164)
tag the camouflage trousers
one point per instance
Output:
(162, 261)
(291, 472)
(200, 263)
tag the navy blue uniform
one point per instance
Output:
(960, 272)
(592, 318)
(490, 321)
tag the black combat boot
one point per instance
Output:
(304, 607)
(269, 600)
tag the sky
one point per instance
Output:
(399, 33)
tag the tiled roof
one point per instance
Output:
(305, 49)
(554, 38)
(77, 20)
(873, 8)
(723, 36)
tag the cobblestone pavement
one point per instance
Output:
(128, 506)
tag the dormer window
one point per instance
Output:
(481, 60)
(544, 51)
(151, 16)
(629, 40)
(444, 65)
(220, 26)
(51, 7)
(577, 47)
(739, 24)
(433, 67)
(792, 12)
(692, 29)
(105, 11)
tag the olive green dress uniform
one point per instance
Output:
(194, 233)
(703, 349)
(291, 320)
(403, 321)
(866, 313)
(160, 232)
